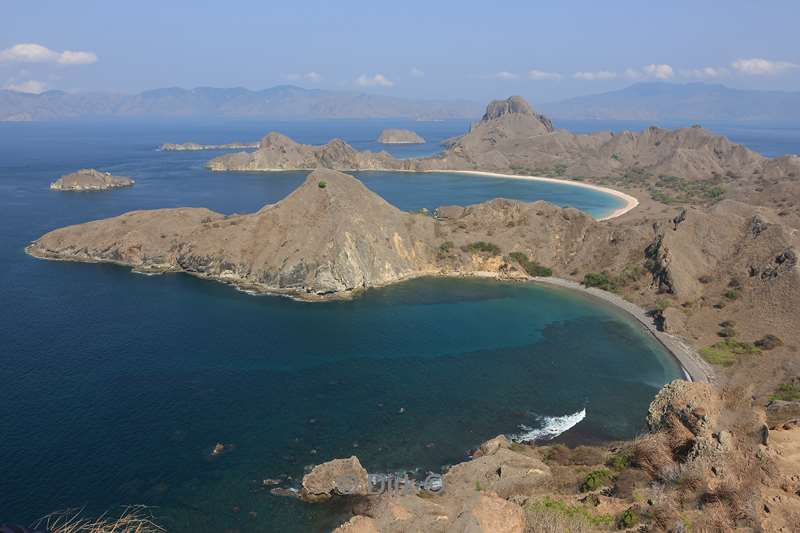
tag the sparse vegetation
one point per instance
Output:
(580, 516)
(482, 247)
(531, 267)
(663, 303)
(675, 190)
(620, 461)
(732, 295)
(599, 280)
(726, 352)
(446, 248)
(787, 392)
(135, 519)
(628, 518)
(596, 479)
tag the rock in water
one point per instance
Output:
(89, 179)
(339, 477)
(399, 136)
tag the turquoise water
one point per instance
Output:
(117, 385)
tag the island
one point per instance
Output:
(399, 136)
(684, 165)
(196, 147)
(708, 261)
(89, 179)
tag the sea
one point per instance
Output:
(116, 386)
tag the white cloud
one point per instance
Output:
(595, 76)
(543, 75)
(417, 73)
(662, 72)
(758, 66)
(502, 75)
(705, 72)
(30, 86)
(633, 74)
(378, 80)
(36, 53)
(312, 76)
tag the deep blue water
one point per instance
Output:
(116, 386)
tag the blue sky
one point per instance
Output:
(438, 49)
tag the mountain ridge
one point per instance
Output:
(279, 102)
(674, 101)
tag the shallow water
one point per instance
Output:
(117, 385)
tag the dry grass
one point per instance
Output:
(652, 454)
(135, 519)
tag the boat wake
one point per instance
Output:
(551, 427)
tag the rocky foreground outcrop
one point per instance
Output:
(707, 460)
(89, 179)
(399, 136)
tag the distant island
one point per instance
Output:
(196, 147)
(399, 136)
(675, 101)
(282, 102)
(89, 179)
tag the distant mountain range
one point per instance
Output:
(673, 101)
(284, 102)
(642, 101)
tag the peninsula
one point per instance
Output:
(398, 136)
(89, 179)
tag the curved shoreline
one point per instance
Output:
(630, 201)
(695, 368)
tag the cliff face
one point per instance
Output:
(89, 179)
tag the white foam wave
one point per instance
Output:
(552, 427)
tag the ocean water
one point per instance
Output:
(116, 386)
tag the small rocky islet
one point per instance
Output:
(399, 136)
(90, 179)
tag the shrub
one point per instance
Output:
(768, 342)
(725, 353)
(322, 184)
(663, 303)
(446, 247)
(732, 295)
(136, 519)
(727, 332)
(596, 479)
(531, 267)
(620, 461)
(482, 247)
(788, 392)
(628, 518)
(599, 280)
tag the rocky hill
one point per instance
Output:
(687, 165)
(398, 136)
(279, 152)
(89, 179)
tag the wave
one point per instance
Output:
(552, 427)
